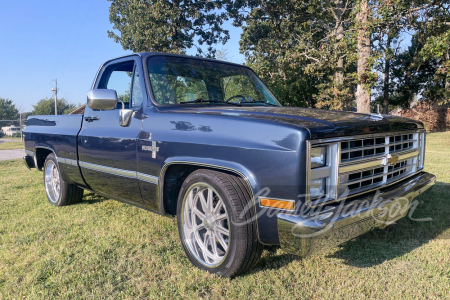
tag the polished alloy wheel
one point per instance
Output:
(52, 181)
(205, 224)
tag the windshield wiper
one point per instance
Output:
(259, 101)
(200, 100)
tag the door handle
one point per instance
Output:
(91, 119)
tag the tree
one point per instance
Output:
(46, 106)
(168, 26)
(420, 71)
(300, 49)
(364, 53)
(8, 110)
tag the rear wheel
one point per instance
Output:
(216, 223)
(59, 192)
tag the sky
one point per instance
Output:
(67, 40)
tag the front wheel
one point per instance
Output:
(217, 224)
(59, 192)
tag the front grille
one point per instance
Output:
(361, 168)
(362, 164)
(370, 147)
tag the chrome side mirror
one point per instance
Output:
(102, 99)
(125, 115)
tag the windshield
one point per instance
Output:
(179, 80)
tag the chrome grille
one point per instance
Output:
(367, 163)
(370, 147)
(361, 166)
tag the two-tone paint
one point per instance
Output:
(143, 163)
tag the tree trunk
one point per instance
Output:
(387, 70)
(339, 76)
(363, 90)
(447, 77)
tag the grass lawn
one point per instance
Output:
(105, 249)
(11, 145)
(10, 137)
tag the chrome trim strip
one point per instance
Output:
(376, 157)
(29, 153)
(364, 136)
(147, 178)
(115, 171)
(67, 161)
(109, 170)
(374, 163)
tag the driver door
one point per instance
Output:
(107, 151)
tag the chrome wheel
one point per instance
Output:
(52, 181)
(205, 224)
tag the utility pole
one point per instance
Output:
(20, 125)
(55, 90)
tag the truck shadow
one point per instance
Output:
(92, 198)
(380, 245)
(409, 233)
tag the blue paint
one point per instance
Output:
(265, 144)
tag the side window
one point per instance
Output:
(118, 77)
(137, 95)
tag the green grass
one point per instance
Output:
(11, 145)
(10, 137)
(105, 249)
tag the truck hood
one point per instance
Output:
(320, 123)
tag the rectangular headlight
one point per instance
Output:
(421, 161)
(317, 188)
(318, 157)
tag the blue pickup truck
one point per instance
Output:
(206, 141)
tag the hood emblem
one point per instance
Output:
(389, 160)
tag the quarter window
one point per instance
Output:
(137, 95)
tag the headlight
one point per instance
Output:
(421, 160)
(318, 157)
(317, 188)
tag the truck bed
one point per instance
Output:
(57, 134)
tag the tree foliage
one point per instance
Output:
(318, 53)
(300, 49)
(8, 110)
(46, 106)
(167, 26)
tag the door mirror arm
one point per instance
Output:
(125, 115)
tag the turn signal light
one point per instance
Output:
(280, 204)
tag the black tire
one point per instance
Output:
(244, 248)
(68, 193)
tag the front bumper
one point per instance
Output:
(304, 234)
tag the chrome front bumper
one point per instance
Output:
(28, 162)
(304, 234)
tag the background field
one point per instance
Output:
(105, 249)
(11, 145)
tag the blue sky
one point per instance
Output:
(67, 40)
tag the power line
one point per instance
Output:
(67, 37)
(76, 40)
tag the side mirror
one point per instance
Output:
(125, 116)
(102, 99)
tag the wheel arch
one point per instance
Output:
(41, 153)
(175, 171)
